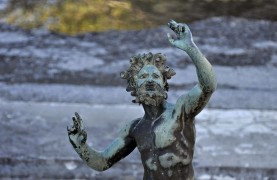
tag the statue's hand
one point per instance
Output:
(77, 135)
(184, 38)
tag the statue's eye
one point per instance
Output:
(143, 76)
(155, 75)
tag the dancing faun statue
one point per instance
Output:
(165, 135)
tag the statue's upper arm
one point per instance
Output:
(194, 101)
(123, 145)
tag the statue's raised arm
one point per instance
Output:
(197, 98)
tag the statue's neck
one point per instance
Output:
(153, 112)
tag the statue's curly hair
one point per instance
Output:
(138, 62)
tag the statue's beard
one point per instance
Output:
(151, 94)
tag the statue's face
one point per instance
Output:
(150, 76)
(150, 86)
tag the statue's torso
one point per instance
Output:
(166, 145)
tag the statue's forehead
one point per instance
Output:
(149, 69)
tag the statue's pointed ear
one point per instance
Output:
(164, 80)
(166, 87)
(165, 96)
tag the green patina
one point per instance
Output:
(165, 135)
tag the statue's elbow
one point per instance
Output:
(100, 168)
(210, 88)
(100, 165)
(213, 87)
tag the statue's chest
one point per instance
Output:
(144, 136)
(150, 135)
(165, 132)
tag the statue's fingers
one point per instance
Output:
(71, 130)
(172, 21)
(74, 119)
(80, 121)
(172, 25)
(181, 31)
(81, 125)
(77, 116)
(185, 28)
(171, 39)
(83, 135)
(76, 124)
(68, 129)
(181, 28)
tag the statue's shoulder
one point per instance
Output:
(169, 109)
(173, 111)
(135, 122)
(129, 127)
(168, 106)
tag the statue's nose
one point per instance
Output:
(150, 80)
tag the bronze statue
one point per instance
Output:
(165, 135)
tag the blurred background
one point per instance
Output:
(62, 56)
(74, 17)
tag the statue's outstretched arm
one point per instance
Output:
(100, 160)
(197, 98)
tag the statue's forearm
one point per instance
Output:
(205, 73)
(94, 159)
(102, 160)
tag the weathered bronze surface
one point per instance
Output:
(165, 135)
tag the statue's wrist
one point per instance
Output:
(190, 47)
(80, 148)
(187, 46)
(79, 145)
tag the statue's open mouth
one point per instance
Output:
(150, 87)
